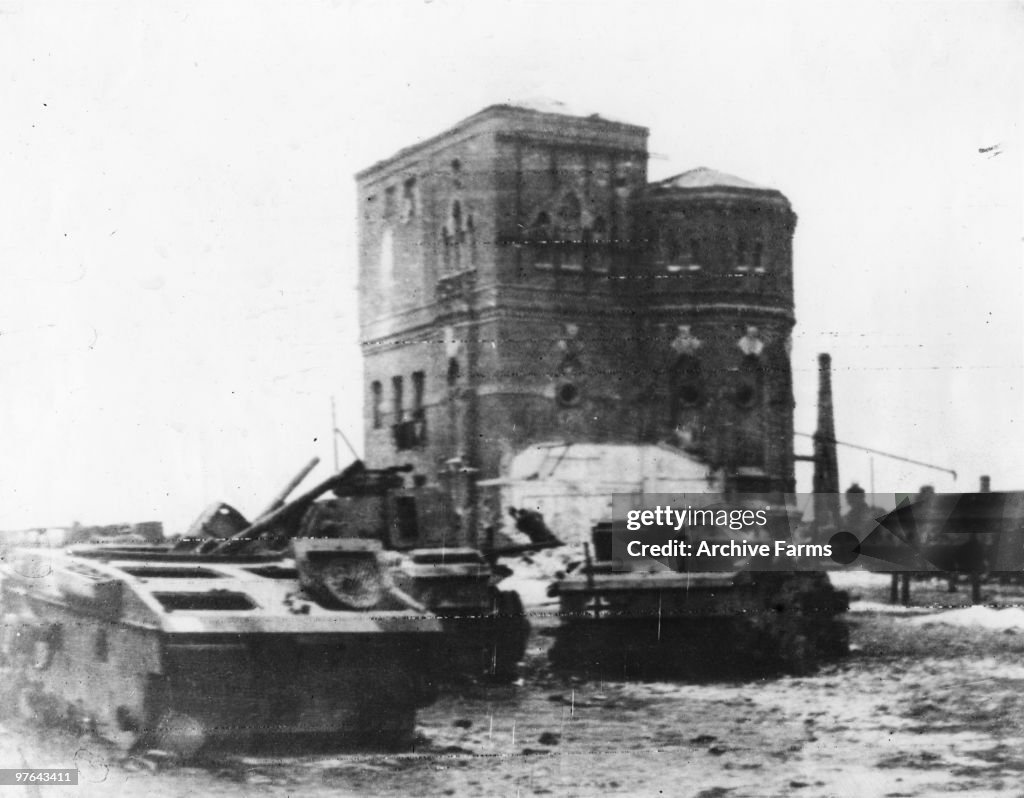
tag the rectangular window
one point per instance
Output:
(376, 397)
(396, 398)
(389, 202)
(409, 200)
(418, 434)
(418, 380)
(758, 257)
(406, 520)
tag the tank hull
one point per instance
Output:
(485, 629)
(702, 625)
(125, 653)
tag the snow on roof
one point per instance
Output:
(703, 177)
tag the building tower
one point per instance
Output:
(521, 285)
(718, 287)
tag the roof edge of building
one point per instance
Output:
(488, 112)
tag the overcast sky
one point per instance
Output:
(177, 203)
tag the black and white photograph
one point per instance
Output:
(512, 398)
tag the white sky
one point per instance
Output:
(177, 234)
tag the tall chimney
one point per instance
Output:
(826, 463)
(986, 484)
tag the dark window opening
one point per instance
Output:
(418, 385)
(757, 259)
(570, 232)
(671, 252)
(406, 434)
(217, 600)
(689, 395)
(411, 433)
(453, 235)
(406, 521)
(742, 264)
(457, 222)
(446, 246)
(595, 237)
(570, 211)
(540, 236)
(376, 397)
(389, 202)
(471, 234)
(409, 199)
(568, 394)
(746, 396)
(687, 377)
(102, 646)
(453, 372)
(541, 229)
(397, 408)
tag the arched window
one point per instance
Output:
(671, 252)
(446, 250)
(757, 258)
(595, 239)
(453, 372)
(409, 200)
(398, 409)
(540, 230)
(696, 259)
(742, 255)
(570, 232)
(540, 237)
(570, 211)
(687, 386)
(457, 221)
(376, 397)
(453, 235)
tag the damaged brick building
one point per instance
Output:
(540, 324)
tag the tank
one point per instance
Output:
(729, 619)
(217, 640)
(485, 627)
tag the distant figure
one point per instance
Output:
(861, 520)
(532, 523)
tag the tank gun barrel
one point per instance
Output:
(285, 511)
(286, 491)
